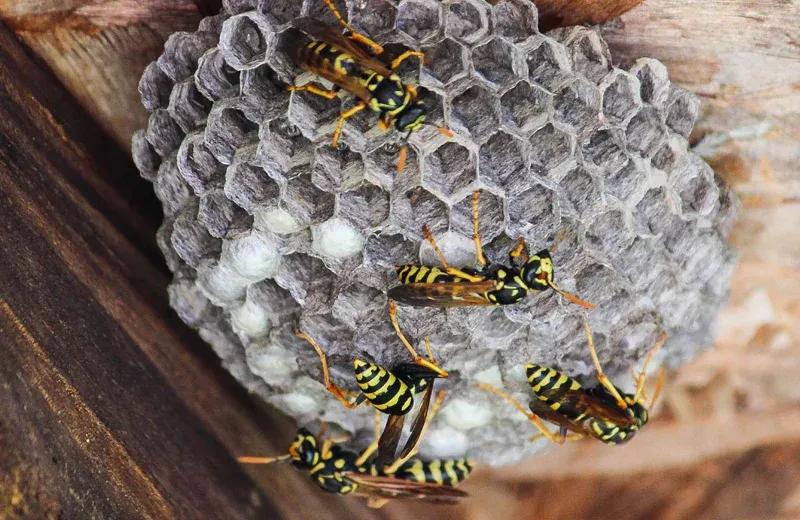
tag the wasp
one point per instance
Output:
(389, 391)
(348, 66)
(603, 412)
(491, 284)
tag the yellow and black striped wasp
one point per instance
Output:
(390, 391)
(341, 60)
(491, 284)
(603, 412)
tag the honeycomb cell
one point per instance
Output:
(163, 133)
(283, 144)
(239, 6)
(276, 301)
(266, 93)
(445, 62)
(253, 256)
(303, 200)
(645, 132)
(188, 301)
(620, 97)
(220, 284)
(228, 129)
(598, 284)
(164, 242)
(628, 183)
(475, 112)
(502, 164)
(427, 138)
(365, 208)
(700, 261)
(380, 167)
(581, 190)
(491, 221)
(728, 208)
(416, 207)
(589, 53)
(337, 169)
(214, 78)
(245, 40)
(279, 12)
(577, 103)
(170, 188)
(449, 171)
(548, 63)
(154, 87)
(533, 213)
(496, 63)
(250, 187)
(655, 210)
(388, 250)
(309, 282)
(682, 110)
(190, 239)
(222, 217)
(693, 179)
(187, 106)
(670, 154)
(605, 149)
(145, 157)
(357, 306)
(198, 166)
(515, 20)
(611, 232)
(375, 17)
(551, 147)
(525, 108)
(653, 79)
(181, 52)
(314, 115)
(466, 21)
(318, 10)
(420, 19)
(642, 262)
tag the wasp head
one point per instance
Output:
(304, 450)
(537, 272)
(412, 117)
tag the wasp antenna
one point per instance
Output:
(263, 460)
(572, 298)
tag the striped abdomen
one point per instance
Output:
(549, 385)
(424, 274)
(445, 472)
(327, 473)
(385, 391)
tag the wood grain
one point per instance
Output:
(563, 13)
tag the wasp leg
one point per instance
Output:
(533, 418)
(263, 460)
(659, 385)
(327, 443)
(385, 122)
(403, 57)
(367, 453)
(450, 270)
(391, 470)
(329, 385)
(344, 115)
(643, 374)
(476, 234)
(377, 503)
(377, 49)
(520, 251)
(314, 89)
(563, 437)
(601, 376)
(417, 359)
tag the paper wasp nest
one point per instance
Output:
(268, 229)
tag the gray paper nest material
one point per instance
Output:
(268, 229)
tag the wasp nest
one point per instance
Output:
(269, 229)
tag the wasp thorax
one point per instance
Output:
(537, 273)
(412, 117)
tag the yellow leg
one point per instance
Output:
(326, 445)
(344, 115)
(435, 408)
(563, 438)
(367, 453)
(417, 359)
(377, 49)
(520, 251)
(450, 270)
(403, 57)
(601, 376)
(533, 418)
(643, 373)
(310, 87)
(476, 234)
(659, 385)
(377, 503)
(385, 123)
(571, 297)
(263, 460)
(401, 159)
(329, 386)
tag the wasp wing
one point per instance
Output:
(546, 413)
(333, 36)
(583, 402)
(443, 294)
(390, 487)
(390, 439)
(418, 425)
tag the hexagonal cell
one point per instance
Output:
(516, 20)
(314, 115)
(491, 220)
(266, 93)
(535, 210)
(181, 52)
(336, 169)
(420, 19)
(502, 163)
(445, 62)
(611, 232)
(170, 188)
(645, 132)
(629, 182)
(357, 305)
(239, 6)
(303, 200)
(163, 133)
(253, 256)
(654, 210)
(475, 112)
(388, 250)
(276, 301)
(428, 137)
(190, 239)
(214, 78)
(417, 207)
(548, 63)
(245, 40)
(187, 106)
(577, 104)
(693, 179)
(496, 63)
(605, 149)
(222, 217)
(154, 87)
(366, 207)
(250, 187)
(318, 10)
(582, 191)
(589, 53)
(449, 171)
(374, 17)
(620, 97)
(597, 283)
(308, 281)
(188, 302)
(653, 79)
(283, 144)
(525, 107)
(228, 129)
(670, 154)
(642, 262)
(682, 110)
(551, 147)
(380, 167)
(728, 208)
(164, 242)
(466, 21)
(144, 156)
(198, 166)
(279, 12)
